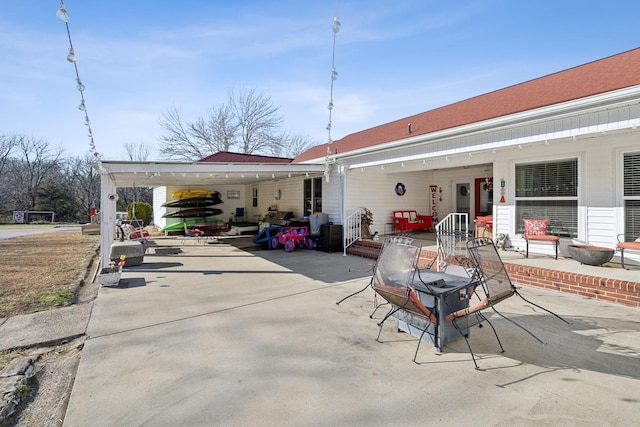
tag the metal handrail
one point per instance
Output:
(452, 234)
(353, 229)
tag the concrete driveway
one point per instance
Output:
(217, 335)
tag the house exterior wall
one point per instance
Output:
(159, 197)
(600, 202)
(597, 132)
(290, 196)
(374, 189)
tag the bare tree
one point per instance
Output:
(248, 123)
(86, 184)
(37, 162)
(136, 153)
(223, 127)
(177, 142)
(6, 146)
(258, 120)
(290, 145)
(139, 152)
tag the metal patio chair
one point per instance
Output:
(393, 278)
(496, 286)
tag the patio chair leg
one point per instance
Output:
(494, 331)
(473, 357)
(376, 309)
(353, 294)
(527, 252)
(389, 314)
(622, 259)
(420, 341)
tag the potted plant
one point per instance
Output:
(366, 219)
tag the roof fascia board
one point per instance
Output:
(152, 167)
(566, 108)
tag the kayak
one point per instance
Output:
(194, 202)
(179, 226)
(181, 194)
(193, 213)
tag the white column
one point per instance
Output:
(107, 216)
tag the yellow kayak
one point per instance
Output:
(185, 194)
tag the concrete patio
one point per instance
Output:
(230, 334)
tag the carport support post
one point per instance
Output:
(107, 216)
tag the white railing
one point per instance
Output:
(452, 234)
(352, 228)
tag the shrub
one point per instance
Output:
(143, 211)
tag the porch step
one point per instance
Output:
(365, 248)
(371, 249)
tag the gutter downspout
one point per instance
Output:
(343, 190)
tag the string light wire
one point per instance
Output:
(71, 57)
(334, 73)
(334, 76)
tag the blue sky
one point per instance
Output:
(393, 58)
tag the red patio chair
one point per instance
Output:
(536, 230)
(622, 245)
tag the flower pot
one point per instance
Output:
(590, 255)
(109, 277)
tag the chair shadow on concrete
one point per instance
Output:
(598, 344)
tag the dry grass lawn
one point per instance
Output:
(37, 271)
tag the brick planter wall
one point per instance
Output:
(613, 290)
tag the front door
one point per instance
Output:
(463, 198)
(483, 196)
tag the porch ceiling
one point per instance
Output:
(157, 174)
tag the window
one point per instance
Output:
(548, 190)
(312, 196)
(631, 196)
(255, 197)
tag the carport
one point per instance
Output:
(117, 174)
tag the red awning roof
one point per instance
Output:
(229, 157)
(594, 78)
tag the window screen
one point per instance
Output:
(548, 190)
(631, 196)
(550, 179)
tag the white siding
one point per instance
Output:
(374, 189)
(159, 197)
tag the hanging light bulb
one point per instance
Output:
(334, 73)
(336, 24)
(71, 57)
(62, 13)
(80, 86)
(82, 107)
(226, 175)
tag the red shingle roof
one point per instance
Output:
(601, 76)
(229, 157)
